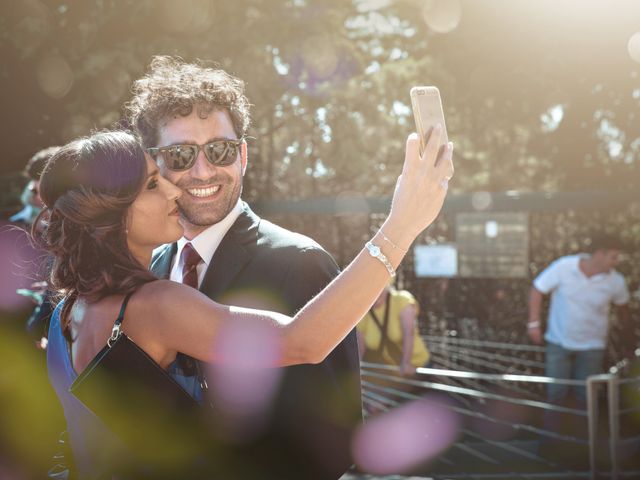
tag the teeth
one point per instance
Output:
(203, 192)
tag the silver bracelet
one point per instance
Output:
(375, 252)
(391, 243)
(532, 325)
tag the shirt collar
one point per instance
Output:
(207, 242)
(597, 276)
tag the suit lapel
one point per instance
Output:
(232, 255)
(161, 263)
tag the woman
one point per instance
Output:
(109, 208)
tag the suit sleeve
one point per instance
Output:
(309, 272)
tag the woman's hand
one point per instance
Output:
(421, 188)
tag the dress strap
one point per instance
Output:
(115, 331)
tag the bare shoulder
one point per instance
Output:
(155, 310)
(152, 317)
(165, 299)
(164, 296)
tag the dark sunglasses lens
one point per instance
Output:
(221, 153)
(180, 157)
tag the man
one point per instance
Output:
(582, 287)
(194, 121)
(389, 332)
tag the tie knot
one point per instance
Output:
(190, 257)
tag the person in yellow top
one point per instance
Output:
(389, 332)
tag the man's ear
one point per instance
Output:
(244, 156)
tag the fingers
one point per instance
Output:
(436, 159)
(411, 158)
(433, 144)
(444, 164)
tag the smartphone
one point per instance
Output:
(427, 111)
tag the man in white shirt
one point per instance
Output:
(582, 288)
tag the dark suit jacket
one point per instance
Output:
(317, 406)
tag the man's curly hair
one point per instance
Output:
(173, 87)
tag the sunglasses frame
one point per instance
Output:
(155, 151)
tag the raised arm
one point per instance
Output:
(321, 324)
(417, 200)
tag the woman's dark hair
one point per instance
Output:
(88, 187)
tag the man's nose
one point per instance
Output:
(202, 169)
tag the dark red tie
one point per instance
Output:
(190, 260)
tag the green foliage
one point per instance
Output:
(329, 81)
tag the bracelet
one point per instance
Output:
(391, 243)
(375, 252)
(531, 325)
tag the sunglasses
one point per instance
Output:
(220, 153)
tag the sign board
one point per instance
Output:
(435, 260)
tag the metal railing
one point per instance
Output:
(599, 449)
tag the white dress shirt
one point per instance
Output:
(205, 243)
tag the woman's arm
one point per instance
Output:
(417, 200)
(321, 324)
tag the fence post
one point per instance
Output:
(592, 419)
(614, 423)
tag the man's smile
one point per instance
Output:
(203, 192)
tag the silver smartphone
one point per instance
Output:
(427, 111)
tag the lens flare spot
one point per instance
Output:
(442, 16)
(634, 47)
(244, 381)
(402, 439)
(481, 201)
(55, 76)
